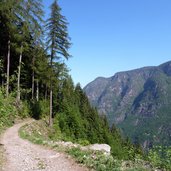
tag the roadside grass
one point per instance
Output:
(38, 132)
(100, 162)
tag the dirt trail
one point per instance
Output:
(24, 156)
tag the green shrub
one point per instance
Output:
(160, 157)
(95, 160)
(39, 109)
(8, 111)
(83, 142)
(24, 110)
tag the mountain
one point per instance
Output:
(138, 102)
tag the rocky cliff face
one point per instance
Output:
(138, 101)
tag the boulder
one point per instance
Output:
(100, 147)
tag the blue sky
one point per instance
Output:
(109, 36)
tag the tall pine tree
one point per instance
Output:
(58, 42)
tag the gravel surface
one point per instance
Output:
(24, 156)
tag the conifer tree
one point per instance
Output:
(58, 41)
(14, 13)
(35, 10)
(30, 26)
(7, 9)
(40, 69)
(23, 34)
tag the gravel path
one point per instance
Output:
(24, 156)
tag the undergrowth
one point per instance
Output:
(101, 162)
(10, 110)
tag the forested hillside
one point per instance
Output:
(137, 101)
(35, 80)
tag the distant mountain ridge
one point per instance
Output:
(138, 101)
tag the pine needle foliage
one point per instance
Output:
(58, 41)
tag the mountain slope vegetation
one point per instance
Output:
(137, 101)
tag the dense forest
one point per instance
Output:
(35, 80)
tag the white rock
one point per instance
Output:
(100, 147)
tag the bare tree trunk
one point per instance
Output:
(37, 91)
(8, 68)
(33, 85)
(33, 75)
(51, 93)
(50, 116)
(19, 74)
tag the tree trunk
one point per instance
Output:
(33, 74)
(50, 116)
(37, 91)
(33, 85)
(8, 68)
(19, 74)
(46, 91)
(51, 96)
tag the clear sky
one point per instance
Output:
(109, 36)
